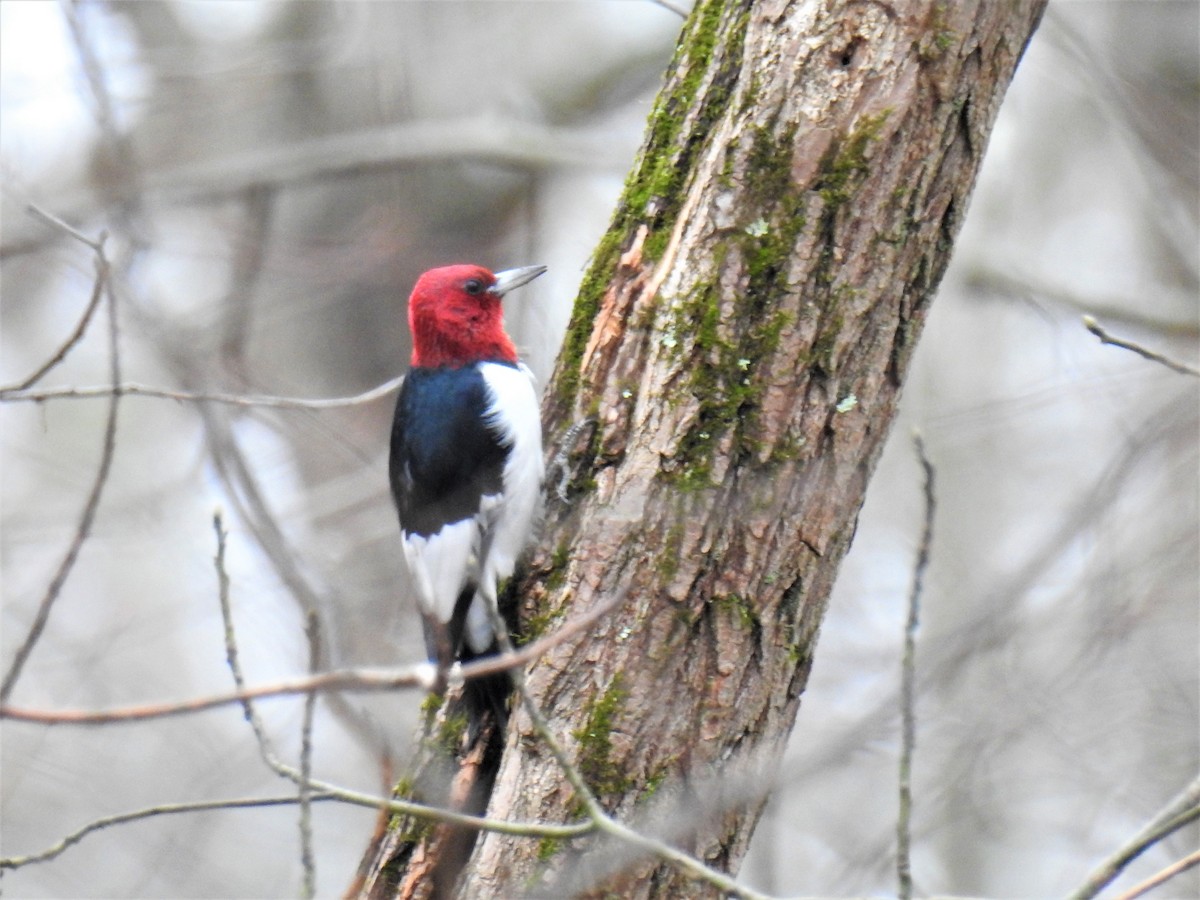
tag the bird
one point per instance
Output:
(465, 467)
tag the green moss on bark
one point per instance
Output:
(603, 774)
(679, 125)
(738, 608)
(725, 377)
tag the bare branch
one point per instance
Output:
(1026, 286)
(166, 809)
(433, 813)
(97, 245)
(72, 339)
(124, 191)
(677, 8)
(1181, 811)
(303, 778)
(526, 145)
(419, 675)
(231, 651)
(908, 679)
(1105, 338)
(1162, 876)
(319, 794)
(108, 451)
(307, 858)
(132, 389)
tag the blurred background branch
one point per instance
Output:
(908, 673)
(1180, 812)
(1105, 338)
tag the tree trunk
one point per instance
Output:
(737, 351)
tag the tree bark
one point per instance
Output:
(736, 352)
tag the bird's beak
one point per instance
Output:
(514, 278)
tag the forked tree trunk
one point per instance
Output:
(737, 349)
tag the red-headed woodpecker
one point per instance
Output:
(466, 462)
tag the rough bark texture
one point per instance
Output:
(738, 349)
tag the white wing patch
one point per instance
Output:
(441, 564)
(508, 522)
(514, 413)
(483, 549)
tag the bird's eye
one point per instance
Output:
(473, 286)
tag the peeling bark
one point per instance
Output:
(738, 349)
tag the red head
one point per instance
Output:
(455, 317)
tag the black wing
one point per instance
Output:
(444, 458)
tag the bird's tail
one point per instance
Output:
(486, 696)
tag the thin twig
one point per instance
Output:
(419, 675)
(1163, 876)
(1105, 338)
(337, 680)
(1181, 811)
(86, 518)
(72, 339)
(436, 814)
(908, 679)
(166, 809)
(676, 8)
(307, 858)
(321, 792)
(123, 192)
(93, 304)
(133, 389)
(1125, 310)
(231, 650)
(96, 244)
